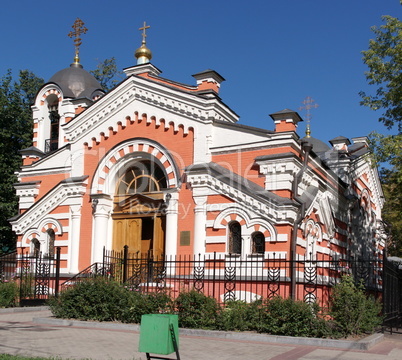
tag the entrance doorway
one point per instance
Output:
(144, 236)
(138, 213)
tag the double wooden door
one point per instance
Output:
(143, 235)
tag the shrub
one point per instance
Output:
(240, 316)
(197, 310)
(140, 304)
(8, 294)
(93, 299)
(292, 318)
(352, 311)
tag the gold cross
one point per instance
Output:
(144, 35)
(79, 29)
(308, 104)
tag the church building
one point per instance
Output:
(167, 169)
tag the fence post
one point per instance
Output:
(213, 275)
(125, 263)
(292, 275)
(103, 261)
(57, 282)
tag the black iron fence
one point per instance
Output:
(392, 294)
(229, 277)
(224, 277)
(37, 275)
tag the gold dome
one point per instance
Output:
(143, 51)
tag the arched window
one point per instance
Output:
(53, 142)
(35, 247)
(258, 243)
(234, 238)
(50, 242)
(143, 177)
(313, 235)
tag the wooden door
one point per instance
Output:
(127, 232)
(159, 237)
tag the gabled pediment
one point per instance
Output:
(71, 187)
(211, 178)
(116, 109)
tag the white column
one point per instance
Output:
(200, 222)
(41, 134)
(102, 208)
(172, 212)
(75, 226)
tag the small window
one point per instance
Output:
(35, 247)
(50, 241)
(234, 238)
(258, 243)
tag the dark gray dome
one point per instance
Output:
(75, 82)
(318, 145)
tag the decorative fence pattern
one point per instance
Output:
(223, 277)
(36, 275)
(230, 277)
(392, 295)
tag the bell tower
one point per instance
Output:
(68, 92)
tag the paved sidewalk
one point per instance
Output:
(21, 334)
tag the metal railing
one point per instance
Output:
(230, 277)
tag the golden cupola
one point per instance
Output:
(143, 54)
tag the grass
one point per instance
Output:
(19, 357)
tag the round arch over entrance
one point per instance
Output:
(139, 209)
(119, 158)
(136, 175)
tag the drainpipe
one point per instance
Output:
(306, 147)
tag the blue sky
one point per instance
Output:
(273, 54)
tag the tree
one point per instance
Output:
(107, 74)
(387, 149)
(384, 61)
(16, 98)
(15, 134)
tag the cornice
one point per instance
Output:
(40, 209)
(281, 213)
(191, 106)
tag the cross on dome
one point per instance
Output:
(308, 105)
(79, 29)
(143, 54)
(144, 28)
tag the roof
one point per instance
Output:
(75, 82)
(238, 182)
(318, 145)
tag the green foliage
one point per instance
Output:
(292, 318)
(276, 316)
(197, 310)
(352, 311)
(107, 74)
(15, 134)
(8, 294)
(241, 316)
(102, 299)
(140, 304)
(97, 299)
(19, 357)
(388, 149)
(384, 60)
